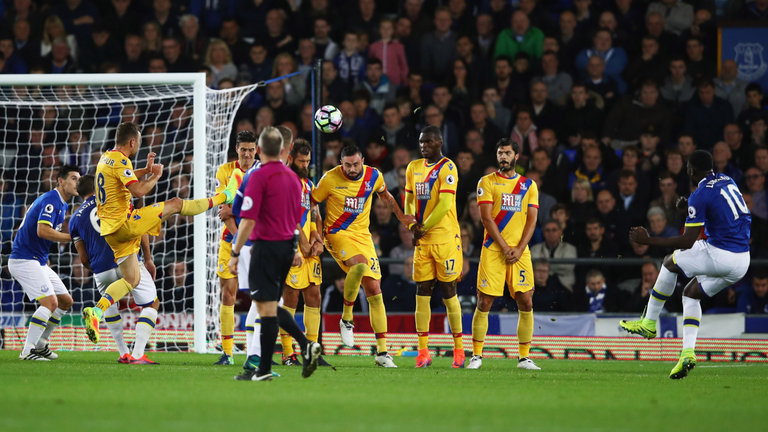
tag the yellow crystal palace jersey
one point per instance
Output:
(349, 206)
(114, 174)
(306, 216)
(223, 174)
(426, 182)
(511, 197)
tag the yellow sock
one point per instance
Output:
(479, 329)
(524, 332)
(311, 322)
(227, 321)
(285, 339)
(423, 316)
(351, 289)
(378, 317)
(454, 320)
(195, 207)
(115, 291)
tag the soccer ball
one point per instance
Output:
(328, 119)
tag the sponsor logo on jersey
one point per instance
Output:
(511, 202)
(692, 212)
(480, 191)
(354, 205)
(305, 200)
(247, 203)
(127, 172)
(124, 162)
(450, 179)
(422, 191)
(136, 217)
(48, 209)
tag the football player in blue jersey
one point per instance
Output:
(96, 255)
(28, 263)
(712, 264)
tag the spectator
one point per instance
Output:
(678, 86)
(649, 271)
(582, 203)
(437, 47)
(164, 15)
(238, 47)
(755, 181)
(761, 159)
(26, 44)
(551, 295)
(742, 153)
(499, 115)
(553, 247)
(218, 58)
(396, 133)
(657, 227)
(546, 202)
(134, 60)
(679, 15)
(686, 144)
(648, 65)
(325, 47)
(477, 67)
(462, 85)
(491, 134)
(590, 169)
(398, 288)
(53, 29)
(596, 245)
(607, 212)
(626, 121)
(524, 134)
(757, 129)
(545, 113)
(631, 208)
(471, 217)
(276, 101)
(667, 200)
(553, 178)
(558, 82)
(548, 142)
(352, 128)
(152, 38)
(569, 40)
(614, 58)
(754, 299)
(443, 100)
(753, 107)
(451, 143)
(581, 115)
(758, 230)
(259, 66)
(176, 292)
(391, 54)
(485, 38)
(277, 38)
(585, 16)
(721, 156)
(654, 25)
(520, 37)
(333, 298)
(176, 61)
(14, 64)
(194, 44)
(729, 87)
(599, 83)
(620, 37)
(295, 86)
(403, 250)
(597, 296)
(59, 61)
(349, 62)
(699, 66)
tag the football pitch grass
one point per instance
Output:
(91, 391)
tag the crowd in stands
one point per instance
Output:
(606, 98)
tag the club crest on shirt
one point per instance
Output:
(523, 186)
(423, 191)
(484, 283)
(354, 205)
(368, 186)
(294, 279)
(511, 202)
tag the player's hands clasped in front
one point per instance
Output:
(638, 235)
(157, 170)
(296, 259)
(150, 160)
(512, 254)
(418, 232)
(233, 264)
(317, 249)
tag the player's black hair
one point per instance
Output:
(125, 132)
(433, 131)
(701, 161)
(350, 150)
(506, 142)
(246, 136)
(300, 147)
(65, 170)
(85, 185)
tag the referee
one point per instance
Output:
(273, 197)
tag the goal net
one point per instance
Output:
(47, 121)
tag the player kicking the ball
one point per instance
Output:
(713, 264)
(509, 205)
(348, 189)
(122, 226)
(430, 187)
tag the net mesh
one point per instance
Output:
(44, 127)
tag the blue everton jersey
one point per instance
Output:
(49, 209)
(718, 205)
(85, 226)
(238, 202)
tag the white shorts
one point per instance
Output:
(242, 268)
(37, 280)
(713, 268)
(144, 294)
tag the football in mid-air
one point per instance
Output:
(328, 118)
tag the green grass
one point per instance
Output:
(91, 391)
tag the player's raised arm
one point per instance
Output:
(141, 172)
(142, 187)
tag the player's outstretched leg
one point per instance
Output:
(197, 206)
(662, 290)
(351, 290)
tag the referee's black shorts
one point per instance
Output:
(269, 266)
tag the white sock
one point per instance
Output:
(144, 326)
(662, 290)
(691, 321)
(254, 343)
(37, 325)
(115, 326)
(53, 322)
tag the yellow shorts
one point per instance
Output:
(310, 272)
(127, 239)
(225, 253)
(494, 271)
(438, 261)
(344, 246)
